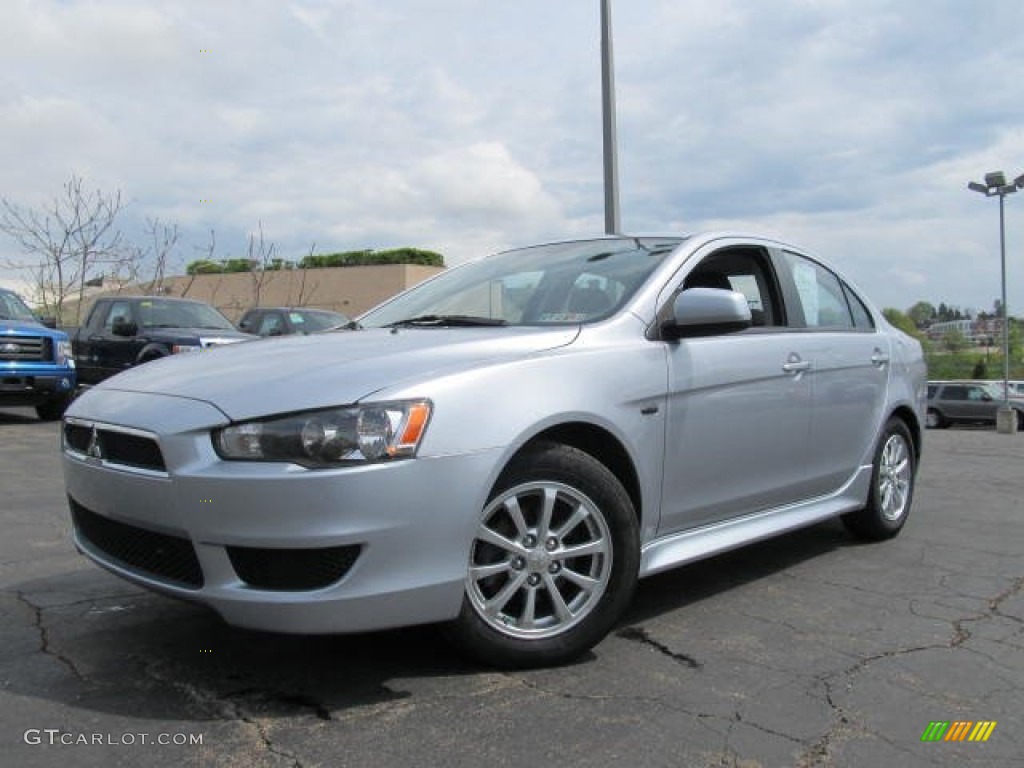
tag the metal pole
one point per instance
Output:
(1006, 314)
(611, 161)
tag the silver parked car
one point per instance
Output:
(507, 447)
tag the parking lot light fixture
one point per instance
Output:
(995, 186)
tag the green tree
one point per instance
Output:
(922, 313)
(204, 267)
(901, 321)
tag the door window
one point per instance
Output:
(820, 294)
(746, 271)
(120, 311)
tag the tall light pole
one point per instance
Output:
(611, 160)
(995, 186)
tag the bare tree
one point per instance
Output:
(163, 238)
(261, 256)
(303, 297)
(66, 240)
(211, 247)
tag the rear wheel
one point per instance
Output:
(553, 562)
(892, 486)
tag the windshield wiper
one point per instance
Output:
(448, 320)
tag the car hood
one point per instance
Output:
(26, 328)
(293, 373)
(185, 332)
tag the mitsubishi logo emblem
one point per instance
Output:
(94, 449)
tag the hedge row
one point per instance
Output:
(313, 261)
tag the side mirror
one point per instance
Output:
(707, 312)
(122, 327)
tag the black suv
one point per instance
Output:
(967, 402)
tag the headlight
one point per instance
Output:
(329, 437)
(64, 354)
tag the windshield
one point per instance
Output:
(311, 320)
(577, 282)
(13, 308)
(155, 313)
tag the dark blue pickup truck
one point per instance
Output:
(36, 366)
(124, 331)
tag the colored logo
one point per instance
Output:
(958, 730)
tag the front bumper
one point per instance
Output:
(269, 546)
(22, 384)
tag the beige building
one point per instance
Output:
(350, 290)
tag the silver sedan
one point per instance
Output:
(506, 448)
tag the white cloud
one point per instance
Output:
(468, 126)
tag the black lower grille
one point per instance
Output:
(168, 558)
(292, 570)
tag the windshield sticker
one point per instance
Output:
(563, 317)
(807, 286)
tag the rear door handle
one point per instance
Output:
(879, 358)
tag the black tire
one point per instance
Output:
(934, 420)
(892, 486)
(547, 606)
(1020, 421)
(52, 410)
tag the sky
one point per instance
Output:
(847, 127)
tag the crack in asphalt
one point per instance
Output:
(995, 604)
(640, 635)
(226, 709)
(304, 701)
(44, 636)
(819, 753)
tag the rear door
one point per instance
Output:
(849, 369)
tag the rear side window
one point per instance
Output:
(820, 293)
(954, 393)
(861, 317)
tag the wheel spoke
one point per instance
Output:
(529, 617)
(578, 516)
(495, 538)
(495, 604)
(546, 510)
(561, 609)
(586, 583)
(478, 572)
(516, 513)
(596, 547)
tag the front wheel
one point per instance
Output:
(52, 410)
(892, 486)
(933, 419)
(553, 562)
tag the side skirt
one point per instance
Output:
(692, 545)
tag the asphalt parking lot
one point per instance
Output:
(810, 650)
